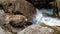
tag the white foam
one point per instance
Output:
(39, 18)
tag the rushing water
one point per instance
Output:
(39, 18)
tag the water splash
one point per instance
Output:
(39, 18)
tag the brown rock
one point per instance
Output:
(26, 8)
(58, 7)
(58, 4)
(21, 6)
(18, 20)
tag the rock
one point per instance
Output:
(2, 31)
(18, 20)
(36, 29)
(58, 4)
(21, 6)
(2, 17)
(26, 9)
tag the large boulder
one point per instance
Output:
(37, 29)
(26, 8)
(20, 6)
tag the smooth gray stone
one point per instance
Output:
(36, 29)
(2, 31)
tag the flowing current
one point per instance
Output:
(39, 18)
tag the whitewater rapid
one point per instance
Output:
(40, 18)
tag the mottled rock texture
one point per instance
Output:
(21, 6)
(37, 29)
(2, 31)
(13, 7)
